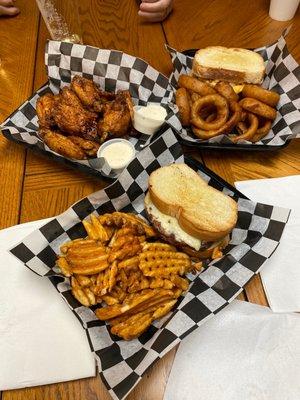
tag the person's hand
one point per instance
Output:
(155, 10)
(7, 8)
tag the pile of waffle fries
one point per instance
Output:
(121, 264)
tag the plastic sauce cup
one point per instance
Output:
(117, 153)
(148, 119)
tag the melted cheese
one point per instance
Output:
(170, 226)
(237, 88)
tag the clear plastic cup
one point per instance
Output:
(62, 19)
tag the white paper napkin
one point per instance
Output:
(281, 273)
(41, 341)
(245, 352)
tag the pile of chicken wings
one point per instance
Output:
(76, 121)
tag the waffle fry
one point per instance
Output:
(133, 326)
(158, 247)
(126, 251)
(95, 229)
(109, 300)
(164, 309)
(121, 220)
(62, 263)
(84, 257)
(83, 294)
(115, 265)
(139, 299)
(161, 283)
(164, 263)
(130, 263)
(77, 242)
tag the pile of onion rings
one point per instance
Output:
(213, 110)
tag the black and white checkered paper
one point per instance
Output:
(254, 239)
(282, 76)
(111, 69)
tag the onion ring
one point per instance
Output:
(211, 117)
(262, 131)
(225, 89)
(194, 84)
(207, 111)
(257, 107)
(194, 96)
(243, 115)
(222, 112)
(226, 128)
(266, 96)
(241, 126)
(183, 104)
(251, 130)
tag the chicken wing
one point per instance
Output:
(89, 94)
(44, 110)
(71, 118)
(89, 148)
(117, 116)
(62, 144)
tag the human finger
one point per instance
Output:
(6, 3)
(9, 11)
(152, 17)
(158, 6)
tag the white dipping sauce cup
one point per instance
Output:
(121, 159)
(283, 10)
(147, 124)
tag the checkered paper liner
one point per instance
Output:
(282, 76)
(113, 70)
(254, 239)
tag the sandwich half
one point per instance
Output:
(187, 212)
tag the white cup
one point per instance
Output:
(148, 124)
(283, 10)
(119, 159)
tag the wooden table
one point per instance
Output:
(34, 187)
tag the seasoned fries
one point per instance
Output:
(134, 280)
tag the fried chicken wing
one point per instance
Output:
(89, 94)
(117, 116)
(44, 110)
(62, 144)
(89, 147)
(72, 118)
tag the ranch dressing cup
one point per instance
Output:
(283, 10)
(117, 153)
(148, 119)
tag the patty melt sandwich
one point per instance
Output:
(187, 212)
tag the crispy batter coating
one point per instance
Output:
(117, 116)
(85, 114)
(44, 110)
(89, 93)
(89, 147)
(71, 117)
(62, 144)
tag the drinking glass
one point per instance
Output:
(62, 19)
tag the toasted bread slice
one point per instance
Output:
(201, 210)
(229, 64)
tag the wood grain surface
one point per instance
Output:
(17, 55)
(35, 187)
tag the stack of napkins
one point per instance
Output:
(246, 352)
(281, 273)
(41, 341)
